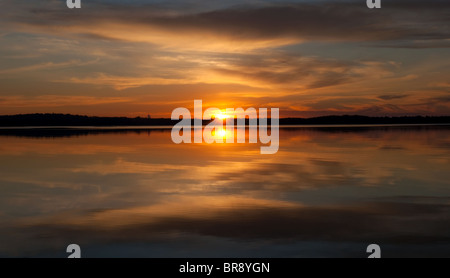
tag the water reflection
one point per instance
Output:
(327, 192)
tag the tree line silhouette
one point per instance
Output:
(23, 120)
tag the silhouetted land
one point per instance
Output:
(60, 125)
(49, 120)
(76, 120)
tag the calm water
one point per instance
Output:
(328, 192)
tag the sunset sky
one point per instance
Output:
(308, 58)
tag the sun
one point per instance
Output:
(222, 116)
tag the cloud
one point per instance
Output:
(393, 96)
(58, 100)
(415, 44)
(259, 70)
(124, 82)
(438, 100)
(295, 71)
(47, 65)
(251, 53)
(244, 27)
(443, 85)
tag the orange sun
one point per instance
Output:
(222, 116)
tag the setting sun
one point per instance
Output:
(222, 116)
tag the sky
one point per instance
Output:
(307, 58)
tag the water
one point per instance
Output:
(328, 192)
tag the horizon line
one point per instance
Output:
(149, 117)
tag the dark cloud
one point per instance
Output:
(441, 99)
(387, 109)
(393, 96)
(417, 44)
(328, 21)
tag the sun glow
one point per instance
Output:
(222, 116)
(222, 133)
